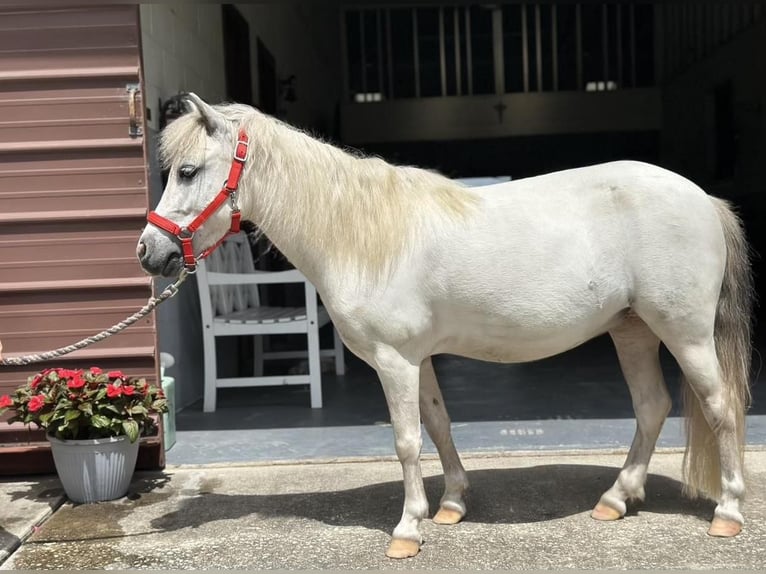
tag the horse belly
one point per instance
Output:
(491, 339)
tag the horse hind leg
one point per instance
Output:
(452, 507)
(638, 353)
(713, 461)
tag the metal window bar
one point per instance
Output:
(604, 46)
(578, 38)
(497, 50)
(390, 52)
(442, 54)
(416, 51)
(618, 32)
(458, 74)
(700, 34)
(632, 45)
(344, 55)
(555, 47)
(379, 31)
(538, 49)
(362, 52)
(659, 37)
(524, 47)
(468, 50)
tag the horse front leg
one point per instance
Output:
(436, 420)
(400, 380)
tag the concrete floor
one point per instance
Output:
(524, 513)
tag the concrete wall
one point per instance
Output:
(182, 45)
(688, 135)
(305, 41)
(182, 51)
(523, 114)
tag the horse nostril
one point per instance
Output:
(141, 249)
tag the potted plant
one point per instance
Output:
(93, 420)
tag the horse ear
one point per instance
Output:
(210, 118)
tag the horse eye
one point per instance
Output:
(187, 171)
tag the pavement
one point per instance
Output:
(525, 511)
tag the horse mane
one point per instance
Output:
(355, 210)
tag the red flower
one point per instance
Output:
(6, 401)
(65, 373)
(36, 403)
(128, 390)
(96, 370)
(113, 391)
(115, 375)
(76, 382)
(36, 381)
(72, 397)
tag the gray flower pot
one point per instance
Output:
(96, 469)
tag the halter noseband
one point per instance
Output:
(229, 191)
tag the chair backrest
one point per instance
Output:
(232, 256)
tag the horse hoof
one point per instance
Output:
(724, 528)
(447, 516)
(402, 548)
(604, 512)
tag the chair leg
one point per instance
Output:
(340, 363)
(258, 355)
(211, 373)
(315, 367)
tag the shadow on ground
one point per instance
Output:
(497, 496)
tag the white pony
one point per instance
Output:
(410, 264)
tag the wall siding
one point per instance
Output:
(73, 196)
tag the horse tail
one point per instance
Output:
(732, 335)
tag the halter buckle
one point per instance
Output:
(242, 150)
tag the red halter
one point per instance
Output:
(229, 191)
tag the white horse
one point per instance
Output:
(411, 264)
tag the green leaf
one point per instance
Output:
(138, 410)
(100, 421)
(72, 414)
(160, 406)
(131, 429)
(87, 408)
(46, 418)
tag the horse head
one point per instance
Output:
(199, 205)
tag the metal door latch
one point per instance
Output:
(134, 94)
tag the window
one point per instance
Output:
(435, 51)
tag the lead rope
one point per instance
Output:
(169, 292)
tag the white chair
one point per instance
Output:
(230, 304)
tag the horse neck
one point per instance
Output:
(337, 216)
(300, 194)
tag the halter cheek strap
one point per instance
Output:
(228, 192)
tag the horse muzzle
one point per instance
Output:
(159, 255)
